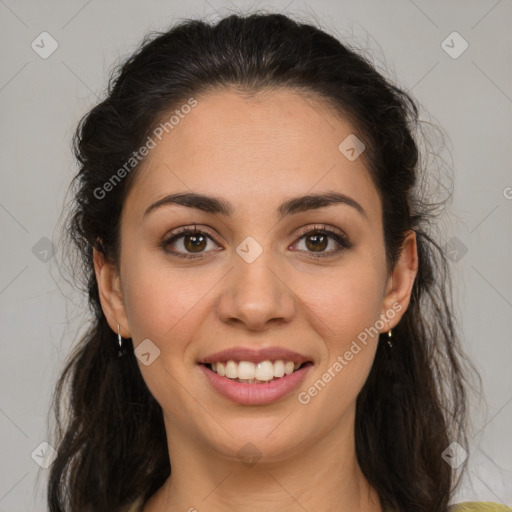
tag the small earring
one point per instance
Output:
(389, 337)
(120, 341)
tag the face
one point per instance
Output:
(309, 280)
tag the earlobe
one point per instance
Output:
(111, 297)
(401, 280)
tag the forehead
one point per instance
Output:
(275, 143)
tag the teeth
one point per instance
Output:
(247, 371)
(263, 371)
(231, 370)
(219, 368)
(289, 367)
(279, 369)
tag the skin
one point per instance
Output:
(255, 153)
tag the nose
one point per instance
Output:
(256, 294)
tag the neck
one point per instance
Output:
(322, 476)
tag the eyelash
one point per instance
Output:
(341, 240)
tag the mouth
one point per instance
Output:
(255, 377)
(263, 372)
(255, 384)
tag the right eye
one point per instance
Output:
(193, 242)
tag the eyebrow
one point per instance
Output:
(289, 207)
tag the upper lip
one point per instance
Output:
(255, 356)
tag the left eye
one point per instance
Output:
(194, 242)
(316, 242)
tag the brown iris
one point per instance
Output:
(319, 241)
(197, 242)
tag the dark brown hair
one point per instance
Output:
(112, 448)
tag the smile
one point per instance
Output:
(251, 390)
(254, 373)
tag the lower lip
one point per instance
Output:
(256, 394)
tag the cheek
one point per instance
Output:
(346, 301)
(157, 307)
(346, 309)
(164, 303)
(151, 303)
(346, 306)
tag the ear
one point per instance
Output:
(111, 297)
(400, 282)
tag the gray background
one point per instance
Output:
(41, 100)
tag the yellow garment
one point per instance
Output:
(479, 506)
(474, 506)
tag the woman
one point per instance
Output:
(256, 247)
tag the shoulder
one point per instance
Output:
(479, 506)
